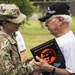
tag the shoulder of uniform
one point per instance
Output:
(3, 42)
(7, 37)
(1, 39)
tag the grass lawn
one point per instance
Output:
(34, 40)
(34, 34)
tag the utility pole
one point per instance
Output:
(43, 14)
(8, 1)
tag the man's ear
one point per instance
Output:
(60, 23)
(60, 20)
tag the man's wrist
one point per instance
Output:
(53, 70)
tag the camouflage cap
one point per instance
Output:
(11, 13)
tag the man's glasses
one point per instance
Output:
(50, 20)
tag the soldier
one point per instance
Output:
(10, 61)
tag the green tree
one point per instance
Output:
(25, 6)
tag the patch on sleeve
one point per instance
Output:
(4, 43)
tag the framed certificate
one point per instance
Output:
(50, 52)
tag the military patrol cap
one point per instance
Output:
(11, 12)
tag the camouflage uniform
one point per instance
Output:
(10, 63)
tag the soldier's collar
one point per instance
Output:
(12, 40)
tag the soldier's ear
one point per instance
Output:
(4, 23)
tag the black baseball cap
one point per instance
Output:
(58, 8)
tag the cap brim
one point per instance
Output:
(19, 19)
(44, 18)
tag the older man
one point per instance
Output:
(57, 20)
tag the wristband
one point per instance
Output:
(53, 71)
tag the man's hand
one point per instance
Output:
(41, 65)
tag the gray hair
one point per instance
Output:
(67, 18)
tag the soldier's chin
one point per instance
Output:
(17, 29)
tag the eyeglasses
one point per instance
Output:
(50, 20)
